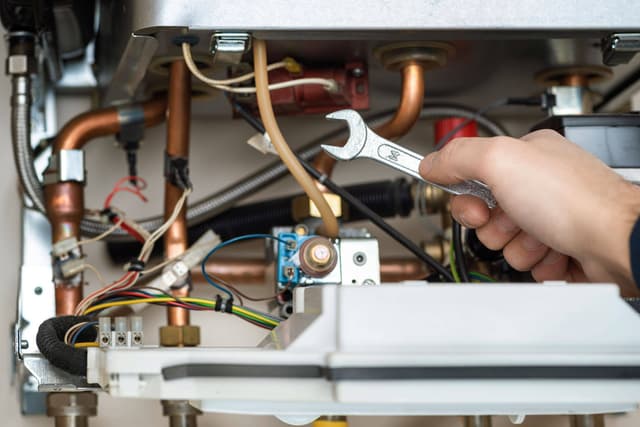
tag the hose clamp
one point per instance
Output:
(65, 166)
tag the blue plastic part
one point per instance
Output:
(285, 262)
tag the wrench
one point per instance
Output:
(363, 142)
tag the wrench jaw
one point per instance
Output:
(357, 135)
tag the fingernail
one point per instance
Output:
(531, 243)
(426, 164)
(552, 258)
(505, 224)
(463, 220)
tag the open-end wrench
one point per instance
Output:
(363, 142)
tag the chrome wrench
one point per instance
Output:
(363, 142)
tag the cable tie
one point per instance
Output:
(109, 214)
(228, 305)
(136, 265)
(219, 303)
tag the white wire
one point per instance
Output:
(330, 84)
(144, 255)
(99, 275)
(103, 235)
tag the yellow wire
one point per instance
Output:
(85, 344)
(207, 302)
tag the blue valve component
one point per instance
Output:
(289, 273)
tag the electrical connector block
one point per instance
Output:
(126, 332)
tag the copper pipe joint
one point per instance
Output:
(404, 119)
(178, 119)
(575, 80)
(64, 202)
(254, 271)
(105, 121)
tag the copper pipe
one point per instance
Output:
(65, 200)
(106, 121)
(179, 115)
(67, 298)
(254, 271)
(406, 115)
(575, 80)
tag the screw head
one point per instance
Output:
(38, 290)
(24, 344)
(359, 258)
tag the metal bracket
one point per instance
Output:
(228, 48)
(65, 166)
(619, 49)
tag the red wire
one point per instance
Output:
(120, 186)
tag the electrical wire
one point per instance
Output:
(482, 277)
(243, 312)
(99, 237)
(459, 262)
(452, 265)
(203, 264)
(329, 84)
(79, 331)
(330, 222)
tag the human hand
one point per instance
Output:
(563, 214)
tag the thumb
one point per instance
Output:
(460, 160)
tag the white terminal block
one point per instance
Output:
(127, 332)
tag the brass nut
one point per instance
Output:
(430, 54)
(82, 404)
(180, 336)
(437, 248)
(303, 208)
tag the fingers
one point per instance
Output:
(554, 266)
(524, 251)
(460, 160)
(498, 231)
(470, 211)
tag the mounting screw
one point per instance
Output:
(359, 258)
(24, 344)
(368, 282)
(38, 290)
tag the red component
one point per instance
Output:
(444, 126)
(353, 91)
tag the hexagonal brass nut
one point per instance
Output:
(303, 208)
(180, 336)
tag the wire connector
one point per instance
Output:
(176, 171)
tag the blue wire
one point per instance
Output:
(79, 331)
(227, 243)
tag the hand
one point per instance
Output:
(563, 214)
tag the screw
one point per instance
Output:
(38, 290)
(368, 282)
(360, 258)
(357, 72)
(24, 344)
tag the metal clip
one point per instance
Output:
(620, 48)
(228, 48)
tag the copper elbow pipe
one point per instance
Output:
(178, 118)
(105, 121)
(407, 114)
(254, 271)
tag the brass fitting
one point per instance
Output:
(318, 257)
(303, 208)
(437, 247)
(331, 421)
(180, 336)
(72, 408)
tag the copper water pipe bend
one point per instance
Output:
(407, 114)
(105, 121)
(178, 119)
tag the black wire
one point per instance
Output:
(458, 250)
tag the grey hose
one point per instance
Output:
(227, 197)
(21, 139)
